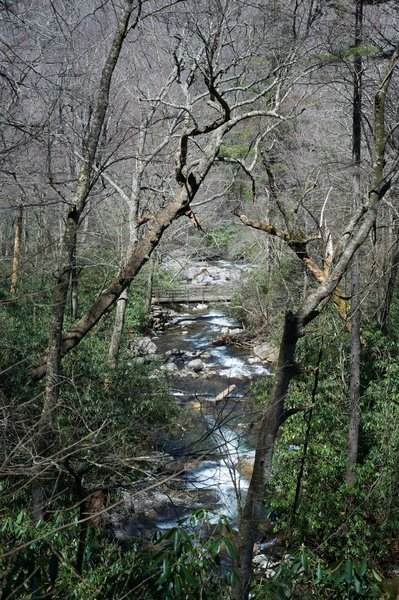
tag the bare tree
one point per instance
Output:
(276, 414)
(206, 102)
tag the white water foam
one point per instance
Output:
(222, 476)
(234, 366)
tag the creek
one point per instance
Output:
(217, 450)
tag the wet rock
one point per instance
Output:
(144, 346)
(253, 360)
(201, 307)
(184, 373)
(168, 503)
(266, 352)
(171, 366)
(196, 365)
(180, 466)
(173, 352)
(127, 528)
(245, 467)
(263, 564)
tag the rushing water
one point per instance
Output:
(221, 429)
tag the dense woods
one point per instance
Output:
(136, 133)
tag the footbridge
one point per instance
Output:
(190, 294)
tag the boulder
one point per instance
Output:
(245, 467)
(201, 307)
(235, 331)
(180, 466)
(196, 365)
(253, 360)
(173, 352)
(144, 346)
(266, 352)
(171, 366)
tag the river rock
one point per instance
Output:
(194, 405)
(144, 346)
(263, 564)
(245, 467)
(266, 352)
(180, 466)
(170, 366)
(253, 360)
(173, 352)
(196, 365)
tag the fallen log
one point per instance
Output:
(225, 393)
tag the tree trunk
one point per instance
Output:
(355, 234)
(121, 304)
(68, 248)
(354, 386)
(261, 474)
(151, 269)
(390, 286)
(17, 249)
(117, 331)
(74, 288)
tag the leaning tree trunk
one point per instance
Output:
(67, 254)
(354, 236)
(272, 419)
(68, 246)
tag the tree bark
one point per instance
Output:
(74, 288)
(261, 475)
(121, 305)
(17, 249)
(68, 247)
(390, 286)
(117, 330)
(354, 385)
(275, 414)
(150, 280)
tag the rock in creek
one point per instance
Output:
(230, 331)
(196, 365)
(155, 506)
(245, 466)
(266, 352)
(143, 346)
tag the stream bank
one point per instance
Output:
(210, 464)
